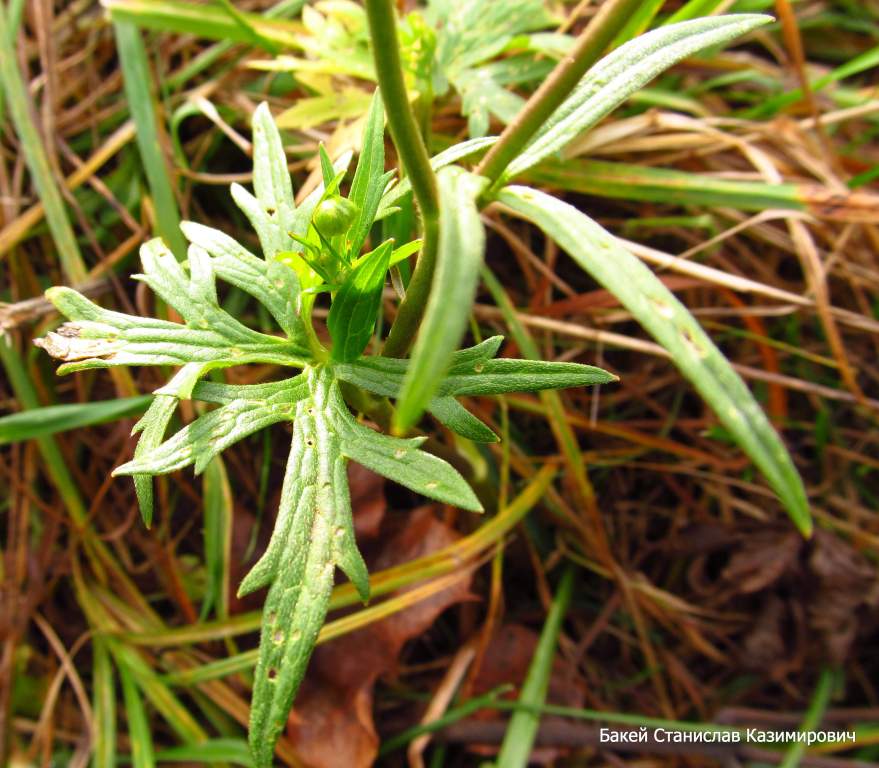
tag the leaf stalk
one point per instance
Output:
(414, 160)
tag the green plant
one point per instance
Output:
(308, 249)
(317, 248)
(480, 49)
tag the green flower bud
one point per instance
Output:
(335, 215)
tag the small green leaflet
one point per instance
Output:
(356, 305)
(369, 177)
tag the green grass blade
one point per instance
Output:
(104, 703)
(460, 253)
(771, 106)
(55, 464)
(137, 80)
(519, 739)
(813, 717)
(244, 24)
(206, 21)
(133, 667)
(552, 400)
(623, 181)
(694, 9)
(50, 419)
(639, 21)
(226, 750)
(217, 538)
(35, 156)
(139, 733)
(669, 322)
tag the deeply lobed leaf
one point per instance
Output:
(314, 531)
(472, 372)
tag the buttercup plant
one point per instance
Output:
(318, 247)
(306, 250)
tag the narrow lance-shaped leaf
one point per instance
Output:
(152, 429)
(459, 255)
(457, 418)
(271, 283)
(669, 322)
(271, 178)
(369, 178)
(217, 538)
(207, 436)
(272, 212)
(472, 372)
(402, 461)
(50, 419)
(356, 304)
(154, 424)
(623, 72)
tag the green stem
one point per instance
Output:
(591, 44)
(415, 161)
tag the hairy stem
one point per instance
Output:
(414, 160)
(589, 47)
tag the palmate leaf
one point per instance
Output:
(314, 532)
(669, 322)
(484, 89)
(271, 283)
(474, 31)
